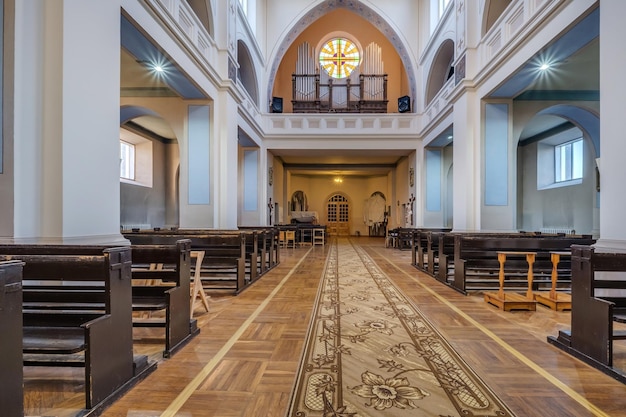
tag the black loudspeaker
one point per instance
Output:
(277, 105)
(404, 104)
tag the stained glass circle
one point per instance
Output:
(339, 57)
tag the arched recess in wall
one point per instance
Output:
(558, 176)
(298, 201)
(149, 193)
(375, 214)
(364, 17)
(202, 9)
(493, 10)
(246, 73)
(441, 70)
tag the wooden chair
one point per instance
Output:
(318, 237)
(290, 237)
(198, 296)
(281, 238)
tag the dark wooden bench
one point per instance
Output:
(77, 311)
(224, 263)
(12, 374)
(422, 256)
(172, 299)
(169, 264)
(405, 238)
(260, 255)
(598, 301)
(267, 246)
(476, 265)
(439, 252)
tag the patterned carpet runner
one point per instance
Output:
(370, 352)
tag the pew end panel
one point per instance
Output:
(598, 302)
(172, 297)
(12, 375)
(86, 299)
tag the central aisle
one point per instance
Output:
(245, 361)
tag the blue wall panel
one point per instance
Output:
(496, 154)
(433, 180)
(199, 155)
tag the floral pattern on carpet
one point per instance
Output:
(370, 352)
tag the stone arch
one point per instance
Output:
(441, 70)
(492, 12)
(246, 73)
(202, 9)
(156, 205)
(584, 119)
(356, 7)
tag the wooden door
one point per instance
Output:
(338, 216)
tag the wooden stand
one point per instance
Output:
(512, 301)
(556, 301)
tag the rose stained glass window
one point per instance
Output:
(339, 57)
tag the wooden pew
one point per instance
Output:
(260, 256)
(224, 262)
(598, 300)
(77, 311)
(439, 261)
(476, 265)
(173, 298)
(12, 374)
(405, 238)
(423, 257)
(264, 247)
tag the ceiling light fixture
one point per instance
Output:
(544, 66)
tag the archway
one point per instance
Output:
(246, 73)
(149, 170)
(376, 214)
(441, 70)
(360, 10)
(557, 172)
(493, 10)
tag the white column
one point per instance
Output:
(67, 81)
(466, 164)
(612, 143)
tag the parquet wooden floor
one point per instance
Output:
(244, 361)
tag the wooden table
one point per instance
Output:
(557, 301)
(514, 301)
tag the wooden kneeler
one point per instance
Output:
(197, 291)
(553, 299)
(508, 301)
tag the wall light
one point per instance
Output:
(338, 180)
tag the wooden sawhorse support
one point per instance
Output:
(513, 301)
(197, 291)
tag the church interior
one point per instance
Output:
(252, 152)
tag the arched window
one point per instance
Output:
(339, 57)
